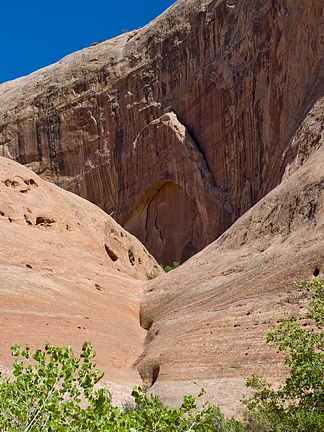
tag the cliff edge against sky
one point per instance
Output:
(178, 128)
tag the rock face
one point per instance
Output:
(180, 127)
(207, 320)
(211, 114)
(68, 273)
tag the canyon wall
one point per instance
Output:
(178, 128)
(208, 319)
(68, 274)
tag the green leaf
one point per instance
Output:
(15, 349)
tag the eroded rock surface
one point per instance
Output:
(184, 123)
(207, 320)
(68, 273)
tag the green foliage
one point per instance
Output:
(168, 268)
(149, 414)
(153, 275)
(46, 389)
(299, 404)
(53, 390)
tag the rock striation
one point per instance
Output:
(68, 273)
(207, 320)
(205, 124)
(176, 129)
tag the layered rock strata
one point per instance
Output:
(207, 320)
(68, 274)
(178, 128)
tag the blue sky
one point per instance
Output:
(36, 33)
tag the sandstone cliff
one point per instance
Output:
(176, 129)
(207, 320)
(68, 273)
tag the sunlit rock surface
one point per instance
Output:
(68, 274)
(180, 127)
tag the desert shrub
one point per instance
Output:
(299, 404)
(168, 268)
(53, 390)
(151, 415)
(151, 275)
(46, 388)
(131, 405)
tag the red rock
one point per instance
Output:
(68, 273)
(236, 78)
(208, 113)
(207, 320)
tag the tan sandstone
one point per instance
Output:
(181, 124)
(207, 320)
(68, 274)
(211, 114)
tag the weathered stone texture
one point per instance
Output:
(68, 273)
(236, 78)
(207, 320)
(177, 129)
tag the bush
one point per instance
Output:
(299, 404)
(47, 388)
(168, 268)
(149, 414)
(151, 275)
